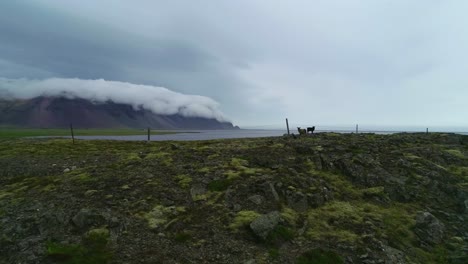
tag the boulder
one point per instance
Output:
(257, 199)
(52, 223)
(297, 201)
(270, 191)
(264, 224)
(393, 255)
(86, 218)
(429, 229)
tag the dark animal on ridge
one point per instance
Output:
(301, 131)
(311, 129)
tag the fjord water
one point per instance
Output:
(195, 135)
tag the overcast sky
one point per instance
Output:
(385, 62)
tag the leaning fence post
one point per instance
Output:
(72, 134)
(287, 125)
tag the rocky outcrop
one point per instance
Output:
(354, 198)
(429, 229)
(264, 224)
(87, 218)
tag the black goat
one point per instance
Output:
(311, 129)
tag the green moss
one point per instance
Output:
(92, 250)
(89, 193)
(133, 157)
(277, 145)
(213, 156)
(184, 180)
(456, 152)
(342, 188)
(204, 148)
(374, 190)
(200, 197)
(4, 194)
(204, 170)
(378, 191)
(157, 155)
(335, 221)
(48, 188)
(97, 235)
(237, 163)
(461, 173)
(83, 177)
(250, 171)
(274, 253)
(289, 215)
(333, 234)
(320, 256)
(232, 175)
(279, 235)
(182, 237)
(411, 156)
(238, 167)
(342, 221)
(243, 218)
(164, 157)
(62, 253)
(219, 185)
(168, 161)
(397, 226)
(161, 215)
(437, 255)
(213, 197)
(318, 148)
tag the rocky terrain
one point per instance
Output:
(59, 112)
(326, 198)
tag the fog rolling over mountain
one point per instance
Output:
(56, 102)
(59, 112)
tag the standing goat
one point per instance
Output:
(311, 129)
(301, 131)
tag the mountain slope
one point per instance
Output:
(57, 112)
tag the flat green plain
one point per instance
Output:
(7, 132)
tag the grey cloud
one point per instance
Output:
(262, 60)
(72, 46)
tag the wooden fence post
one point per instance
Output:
(287, 125)
(149, 134)
(357, 128)
(72, 134)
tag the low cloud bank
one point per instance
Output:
(156, 99)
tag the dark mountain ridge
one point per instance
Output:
(59, 112)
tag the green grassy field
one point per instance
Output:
(25, 132)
